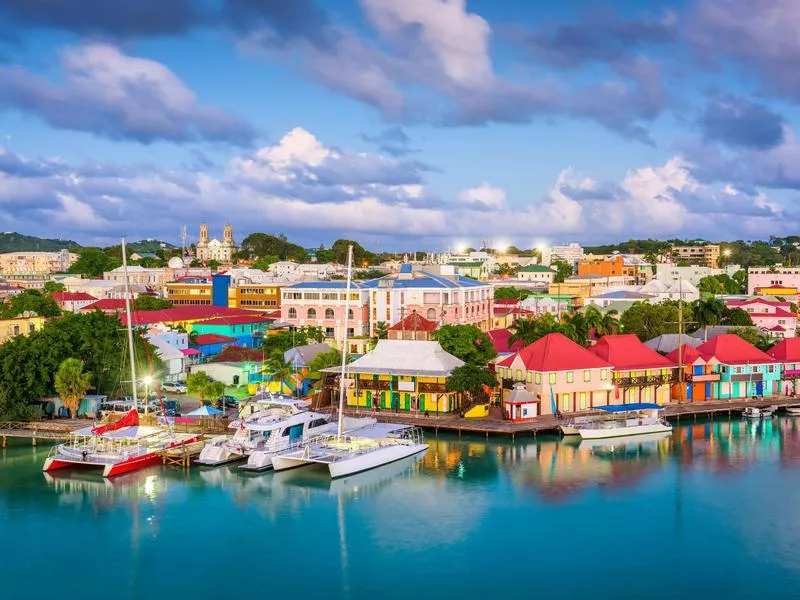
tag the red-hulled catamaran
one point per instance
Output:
(124, 445)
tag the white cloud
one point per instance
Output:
(483, 196)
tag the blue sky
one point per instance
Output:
(401, 123)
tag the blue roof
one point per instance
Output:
(338, 284)
(623, 295)
(619, 408)
(405, 268)
(424, 279)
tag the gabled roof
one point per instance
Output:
(106, 304)
(236, 320)
(787, 350)
(623, 295)
(415, 322)
(739, 303)
(668, 342)
(206, 339)
(627, 353)
(404, 357)
(730, 349)
(184, 313)
(72, 297)
(501, 341)
(689, 355)
(555, 352)
(301, 356)
(535, 269)
(654, 286)
(421, 279)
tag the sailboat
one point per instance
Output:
(124, 445)
(349, 452)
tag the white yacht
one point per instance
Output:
(625, 420)
(274, 426)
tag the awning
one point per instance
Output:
(618, 408)
(190, 351)
(204, 411)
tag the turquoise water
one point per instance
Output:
(710, 511)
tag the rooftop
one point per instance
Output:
(405, 357)
(206, 339)
(787, 350)
(501, 339)
(555, 352)
(414, 322)
(236, 320)
(184, 313)
(689, 355)
(730, 349)
(627, 353)
(72, 296)
(106, 304)
(535, 269)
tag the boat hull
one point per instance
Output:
(569, 430)
(375, 459)
(793, 410)
(614, 432)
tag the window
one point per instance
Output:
(350, 313)
(570, 376)
(292, 313)
(603, 374)
(583, 403)
(587, 375)
(538, 378)
(312, 314)
(328, 313)
(431, 314)
(530, 377)
(329, 332)
(552, 378)
(770, 368)
(519, 375)
(566, 405)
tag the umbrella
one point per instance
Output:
(204, 411)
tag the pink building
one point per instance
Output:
(776, 319)
(759, 278)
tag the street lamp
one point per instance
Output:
(147, 382)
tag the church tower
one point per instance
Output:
(202, 243)
(228, 246)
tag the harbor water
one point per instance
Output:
(710, 510)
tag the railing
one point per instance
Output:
(701, 377)
(644, 380)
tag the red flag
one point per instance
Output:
(129, 420)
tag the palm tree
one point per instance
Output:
(529, 330)
(279, 369)
(381, 331)
(708, 312)
(593, 317)
(608, 325)
(575, 327)
(72, 384)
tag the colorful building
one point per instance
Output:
(10, 328)
(561, 375)
(775, 318)
(247, 330)
(413, 327)
(700, 375)
(190, 291)
(745, 371)
(760, 279)
(554, 304)
(787, 354)
(211, 344)
(640, 374)
(35, 265)
(706, 255)
(402, 375)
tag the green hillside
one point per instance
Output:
(11, 241)
(149, 246)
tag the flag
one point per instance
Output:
(553, 402)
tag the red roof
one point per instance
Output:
(211, 338)
(510, 301)
(787, 350)
(689, 355)
(777, 328)
(627, 353)
(730, 349)
(779, 312)
(415, 322)
(739, 303)
(511, 310)
(236, 320)
(198, 312)
(500, 340)
(555, 352)
(72, 296)
(106, 304)
(191, 351)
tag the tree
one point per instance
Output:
(312, 333)
(29, 301)
(72, 384)
(361, 257)
(651, 320)
(260, 245)
(93, 262)
(529, 330)
(51, 287)
(381, 331)
(472, 380)
(213, 264)
(575, 327)
(201, 385)
(466, 342)
(145, 302)
(652, 258)
(753, 336)
(324, 360)
(563, 270)
(510, 293)
(738, 317)
(279, 369)
(708, 312)
(593, 318)
(264, 262)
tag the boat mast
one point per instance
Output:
(344, 337)
(130, 326)
(680, 339)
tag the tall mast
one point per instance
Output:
(344, 337)
(680, 339)
(130, 326)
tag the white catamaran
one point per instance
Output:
(122, 446)
(625, 420)
(361, 449)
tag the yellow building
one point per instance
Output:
(706, 255)
(189, 294)
(255, 296)
(10, 328)
(402, 375)
(34, 265)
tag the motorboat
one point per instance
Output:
(117, 448)
(611, 443)
(768, 411)
(260, 459)
(572, 427)
(625, 420)
(363, 449)
(751, 412)
(793, 410)
(275, 425)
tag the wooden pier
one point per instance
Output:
(676, 413)
(36, 430)
(182, 456)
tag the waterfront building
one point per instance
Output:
(35, 265)
(247, 330)
(402, 375)
(640, 374)
(413, 327)
(220, 251)
(706, 255)
(10, 328)
(745, 371)
(700, 375)
(774, 318)
(761, 279)
(787, 354)
(561, 375)
(73, 301)
(570, 253)
(536, 273)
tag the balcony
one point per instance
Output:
(791, 374)
(702, 377)
(644, 380)
(748, 377)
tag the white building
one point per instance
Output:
(220, 251)
(570, 253)
(669, 274)
(100, 288)
(170, 346)
(536, 273)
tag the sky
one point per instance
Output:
(404, 124)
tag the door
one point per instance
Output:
(395, 400)
(583, 402)
(689, 392)
(369, 399)
(422, 402)
(759, 388)
(708, 390)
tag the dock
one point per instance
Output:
(498, 426)
(36, 430)
(182, 456)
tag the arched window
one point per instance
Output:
(350, 313)
(292, 313)
(431, 314)
(312, 314)
(328, 313)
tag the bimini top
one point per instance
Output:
(617, 408)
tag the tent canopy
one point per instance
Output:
(205, 411)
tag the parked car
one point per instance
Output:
(174, 387)
(230, 401)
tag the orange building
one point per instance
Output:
(615, 266)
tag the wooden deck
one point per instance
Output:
(182, 456)
(37, 430)
(549, 424)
